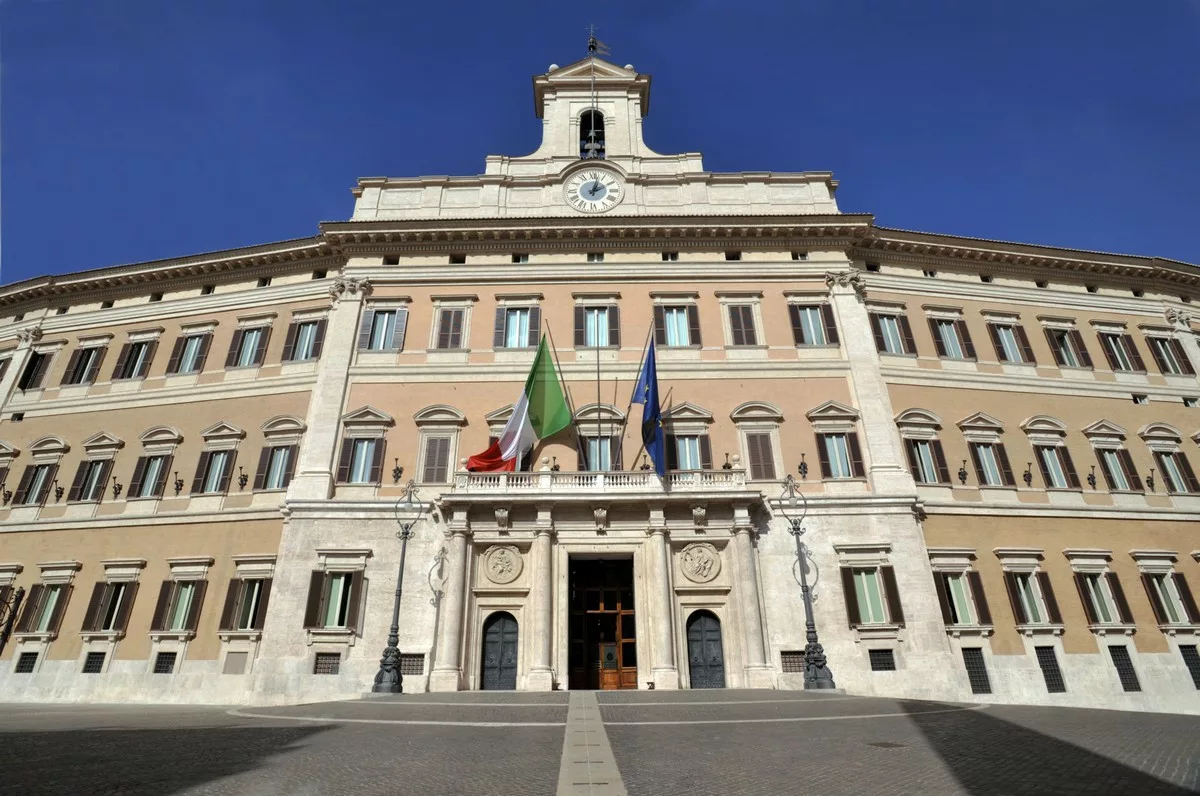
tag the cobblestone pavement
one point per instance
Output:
(664, 743)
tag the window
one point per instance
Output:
(597, 327)
(1048, 661)
(1068, 348)
(264, 282)
(792, 661)
(35, 485)
(327, 663)
(1092, 288)
(962, 598)
(90, 480)
(760, 456)
(1032, 598)
(595, 257)
(391, 260)
(1011, 343)
(304, 340)
(458, 259)
(677, 326)
(951, 338)
(84, 365)
(1103, 598)
(517, 327)
(741, 324)
(94, 662)
(189, 353)
(670, 257)
(893, 334)
(871, 596)
(1058, 471)
(44, 608)
(840, 456)
(813, 324)
(150, 476)
(1171, 598)
(155, 297)
(4, 363)
(1141, 399)
(35, 370)
(991, 464)
(960, 603)
(106, 305)
(926, 461)
(213, 472)
(134, 360)
(178, 607)
(1118, 469)
(450, 328)
(333, 599)
(276, 464)
(520, 258)
(985, 278)
(62, 310)
(319, 273)
(688, 452)
(977, 673)
(1191, 402)
(1177, 472)
(361, 461)
(1121, 353)
(1191, 659)
(109, 608)
(26, 663)
(1170, 357)
(246, 604)
(882, 660)
(733, 255)
(591, 135)
(164, 662)
(601, 454)
(383, 329)
(248, 347)
(799, 255)
(1124, 666)
(929, 273)
(873, 268)
(208, 290)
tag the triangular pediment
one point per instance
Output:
(367, 415)
(500, 415)
(832, 410)
(980, 421)
(222, 430)
(7, 452)
(583, 70)
(1104, 428)
(102, 441)
(688, 411)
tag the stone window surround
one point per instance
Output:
(257, 320)
(833, 417)
(753, 298)
(101, 447)
(94, 341)
(116, 570)
(464, 302)
(160, 441)
(8, 454)
(182, 569)
(871, 555)
(687, 419)
(145, 335)
(53, 573)
(1109, 327)
(439, 420)
(757, 417)
(810, 298)
(918, 424)
(981, 428)
(193, 329)
(247, 566)
(1045, 430)
(519, 300)
(283, 430)
(942, 313)
(1053, 322)
(366, 422)
(48, 450)
(1095, 561)
(1161, 437)
(9, 572)
(1105, 435)
(959, 561)
(1028, 561)
(222, 436)
(337, 560)
(1162, 562)
(313, 314)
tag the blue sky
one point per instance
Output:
(139, 129)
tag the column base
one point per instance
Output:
(760, 677)
(666, 679)
(540, 680)
(444, 680)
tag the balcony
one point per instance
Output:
(593, 483)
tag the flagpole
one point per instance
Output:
(643, 445)
(566, 392)
(641, 364)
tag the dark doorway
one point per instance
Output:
(603, 639)
(499, 653)
(706, 659)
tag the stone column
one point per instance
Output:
(658, 560)
(887, 471)
(447, 671)
(758, 673)
(541, 674)
(314, 469)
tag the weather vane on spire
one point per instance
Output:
(595, 46)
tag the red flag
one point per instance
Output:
(491, 460)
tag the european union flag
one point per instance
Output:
(645, 392)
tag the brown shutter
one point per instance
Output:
(260, 353)
(1118, 593)
(227, 472)
(614, 326)
(980, 598)
(72, 363)
(400, 330)
(1089, 610)
(1131, 472)
(499, 329)
(1069, 467)
(176, 355)
(705, 452)
(980, 476)
(823, 457)
(939, 458)
(910, 450)
(762, 460)
(364, 330)
(202, 353)
(1108, 354)
(234, 345)
(831, 332)
(289, 341)
(938, 345)
(193, 615)
(848, 592)
(994, 333)
(39, 371)
(260, 474)
(20, 496)
(1184, 360)
(939, 585)
(147, 359)
(92, 617)
(581, 326)
(615, 453)
(1026, 348)
(1081, 351)
(105, 473)
(1014, 598)
(162, 605)
(319, 337)
(895, 610)
(139, 472)
(660, 325)
(30, 611)
(672, 451)
(535, 326)
(856, 459)
(1135, 356)
(201, 470)
(1055, 349)
(1185, 595)
(1188, 474)
(1005, 469)
(344, 461)
(290, 469)
(264, 599)
(229, 611)
(358, 588)
(965, 334)
(97, 361)
(1055, 615)
(121, 621)
(693, 316)
(877, 331)
(1108, 477)
(60, 609)
(377, 460)
(797, 326)
(1037, 451)
(161, 484)
(1160, 611)
(77, 482)
(1158, 357)
(316, 596)
(910, 345)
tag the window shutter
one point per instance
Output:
(72, 364)
(32, 604)
(498, 331)
(437, 460)
(762, 459)
(1184, 361)
(1085, 358)
(614, 325)
(193, 615)
(364, 330)
(260, 354)
(1118, 593)
(398, 334)
(1185, 595)
(1108, 477)
(895, 610)
(856, 459)
(122, 362)
(910, 345)
(22, 492)
(535, 326)
(231, 604)
(163, 604)
(1160, 611)
(377, 460)
(60, 610)
(1054, 346)
(1131, 472)
(939, 585)
(1159, 361)
(1069, 467)
(831, 332)
(139, 473)
(264, 461)
(1135, 356)
(97, 361)
(797, 326)
(147, 360)
(1106, 347)
(823, 457)
(1089, 610)
(105, 473)
(736, 329)
(290, 470)
(938, 345)
(161, 484)
(1005, 469)
(51, 474)
(851, 597)
(202, 354)
(176, 355)
(581, 326)
(939, 458)
(581, 455)
(77, 482)
(316, 595)
(994, 333)
(1188, 474)
(358, 589)
(980, 478)
(1042, 466)
(1014, 598)
(672, 451)
(264, 599)
(289, 341)
(910, 450)
(121, 621)
(1026, 349)
(705, 452)
(319, 336)
(877, 332)
(343, 469)
(615, 457)
(39, 371)
(980, 598)
(201, 470)
(456, 328)
(227, 473)
(1052, 611)
(965, 334)
(234, 345)
(693, 316)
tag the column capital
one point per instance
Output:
(349, 288)
(32, 334)
(846, 281)
(1180, 318)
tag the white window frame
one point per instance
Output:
(366, 422)
(340, 561)
(752, 299)
(464, 303)
(1071, 355)
(610, 420)
(1160, 565)
(1098, 563)
(439, 420)
(757, 417)
(958, 562)
(1027, 562)
(872, 556)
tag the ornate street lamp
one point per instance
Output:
(793, 506)
(409, 511)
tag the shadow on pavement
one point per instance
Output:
(993, 757)
(126, 762)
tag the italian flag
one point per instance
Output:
(540, 412)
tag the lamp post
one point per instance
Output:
(409, 511)
(816, 670)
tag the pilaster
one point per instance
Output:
(26, 339)
(541, 675)
(664, 673)
(758, 673)
(447, 669)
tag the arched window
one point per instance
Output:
(591, 135)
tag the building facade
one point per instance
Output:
(204, 459)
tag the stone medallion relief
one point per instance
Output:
(502, 563)
(700, 562)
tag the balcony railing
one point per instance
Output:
(580, 482)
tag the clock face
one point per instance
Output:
(594, 190)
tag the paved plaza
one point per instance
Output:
(650, 743)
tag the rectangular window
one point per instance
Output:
(977, 673)
(327, 663)
(1030, 601)
(946, 336)
(279, 467)
(670, 257)
(1053, 466)
(361, 459)
(958, 598)
(109, 614)
(1191, 659)
(304, 342)
(882, 660)
(520, 258)
(741, 324)
(450, 329)
(595, 257)
(599, 454)
(1068, 348)
(245, 356)
(94, 663)
(1115, 350)
(90, 480)
(991, 464)
(1177, 472)
(180, 606)
(379, 330)
(869, 595)
(1170, 356)
(436, 467)
(760, 456)
(190, 353)
(516, 327)
(1048, 661)
(45, 614)
(840, 456)
(26, 663)
(34, 372)
(687, 452)
(35, 484)
(250, 604)
(134, 360)
(164, 663)
(337, 599)
(149, 477)
(84, 365)
(1165, 598)
(1097, 597)
(214, 477)
(1008, 347)
(893, 335)
(927, 461)
(676, 322)
(1113, 471)
(595, 327)
(813, 325)
(1124, 666)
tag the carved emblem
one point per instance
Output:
(851, 279)
(1178, 316)
(700, 562)
(600, 514)
(502, 563)
(341, 287)
(502, 517)
(699, 516)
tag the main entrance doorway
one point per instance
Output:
(499, 653)
(603, 641)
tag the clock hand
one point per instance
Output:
(595, 187)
